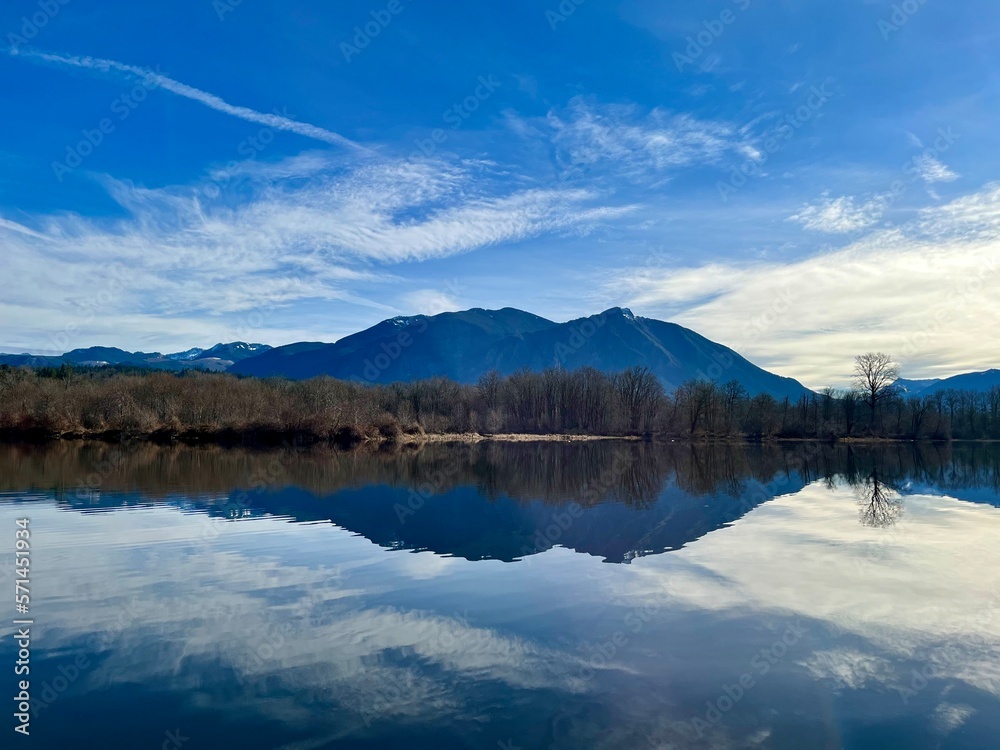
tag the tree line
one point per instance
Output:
(86, 401)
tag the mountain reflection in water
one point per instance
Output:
(614, 499)
(777, 597)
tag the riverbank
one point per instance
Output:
(346, 438)
(349, 438)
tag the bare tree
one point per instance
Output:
(848, 407)
(874, 374)
(734, 394)
(489, 389)
(638, 392)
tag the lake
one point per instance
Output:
(507, 595)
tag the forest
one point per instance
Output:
(116, 402)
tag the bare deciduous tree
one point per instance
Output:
(874, 374)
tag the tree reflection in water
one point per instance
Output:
(880, 505)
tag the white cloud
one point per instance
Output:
(847, 667)
(429, 301)
(20, 229)
(920, 595)
(948, 717)
(318, 633)
(932, 170)
(841, 215)
(637, 142)
(276, 121)
(309, 228)
(928, 292)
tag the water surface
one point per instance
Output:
(597, 595)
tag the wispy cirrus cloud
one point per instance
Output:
(841, 215)
(633, 141)
(274, 240)
(932, 170)
(276, 121)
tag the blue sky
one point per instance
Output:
(801, 180)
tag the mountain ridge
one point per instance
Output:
(218, 358)
(465, 345)
(979, 382)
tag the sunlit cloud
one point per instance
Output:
(430, 301)
(927, 292)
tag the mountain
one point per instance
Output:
(235, 352)
(219, 358)
(970, 381)
(185, 356)
(616, 339)
(109, 355)
(913, 387)
(29, 360)
(454, 345)
(465, 345)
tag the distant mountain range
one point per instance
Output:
(970, 381)
(465, 345)
(219, 358)
(913, 387)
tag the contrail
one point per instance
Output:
(20, 229)
(209, 100)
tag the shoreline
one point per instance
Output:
(270, 438)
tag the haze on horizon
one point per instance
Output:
(801, 183)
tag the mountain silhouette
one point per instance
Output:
(465, 345)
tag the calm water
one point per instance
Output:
(509, 596)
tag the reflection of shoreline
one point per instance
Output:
(588, 471)
(267, 439)
(495, 499)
